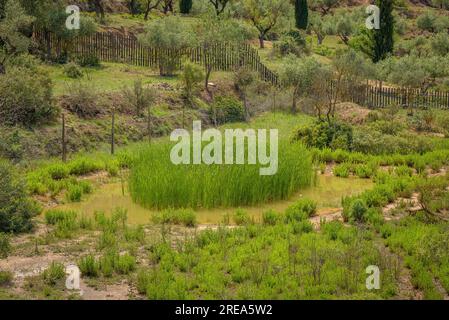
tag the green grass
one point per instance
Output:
(157, 183)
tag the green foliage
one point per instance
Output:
(186, 217)
(241, 217)
(191, 76)
(322, 134)
(89, 266)
(342, 170)
(185, 6)
(301, 14)
(6, 278)
(140, 97)
(227, 109)
(383, 38)
(73, 71)
(155, 182)
(26, 97)
(16, 208)
(5, 246)
(81, 98)
(302, 209)
(168, 33)
(54, 273)
(270, 217)
(89, 60)
(55, 216)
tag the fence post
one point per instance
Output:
(113, 132)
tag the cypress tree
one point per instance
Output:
(185, 6)
(301, 14)
(383, 37)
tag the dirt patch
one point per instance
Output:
(120, 291)
(352, 113)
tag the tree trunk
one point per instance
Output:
(2, 68)
(206, 81)
(261, 41)
(245, 106)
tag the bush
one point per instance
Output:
(54, 216)
(74, 193)
(83, 166)
(6, 278)
(356, 212)
(342, 170)
(58, 171)
(53, 273)
(303, 208)
(125, 264)
(16, 208)
(72, 70)
(241, 217)
(81, 99)
(26, 97)
(89, 266)
(322, 134)
(270, 217)
(227, 109)
(5, 246)
(89, 60)
(186, 217)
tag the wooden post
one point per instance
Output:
(64, 142)
(113, 132)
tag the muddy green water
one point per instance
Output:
(327, 192)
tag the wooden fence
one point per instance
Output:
(112, 47)
(376, 97)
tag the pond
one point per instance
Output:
(327, 192)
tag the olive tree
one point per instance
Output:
(213, 30)
(324, 7)
(265, 15)
(170, 36)
(298, 75)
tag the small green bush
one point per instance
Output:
(241, 217)
(270, 217)
(53, 273)
(73, 71)
(342, 170)
(304, 205)
(186, 217)
(89, 266)
(54, 216)
(58, 171)
(89, 60)
(74, 193)
(5, 246)
(6, 278)
(227, 109)
(83, 166)
(125, 264)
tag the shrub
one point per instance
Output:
(72, 70)
(300, 210)
(357, 211)
(89, 60)
(342, 170)
(364, 171)
(16, 208)
(241, 217)
(6, 278)
(270, 217)
(89, 266)
(53, 273)
(74, 193)
(26, 97)
(227, 109)
(54, 216)
(58, 171)
(322, 134)
(186, 217)
(81, 99)
(5, 246)
(125, 264)
(83, 166)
